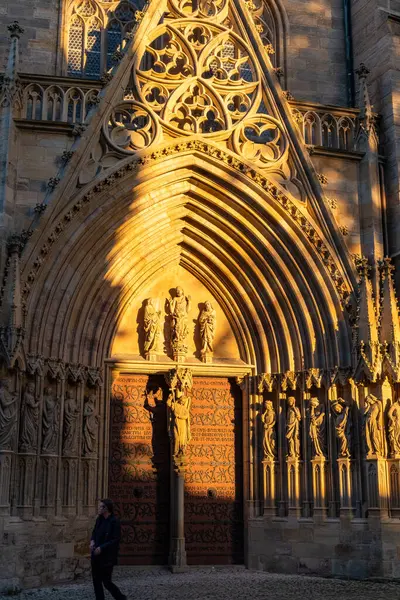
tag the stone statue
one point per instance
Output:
(373, 426)
(29, 420)
(269, 442)
(179, 307)
(293, 418)
(342, 416)
(8, 415)
(71, 416)
(394, 428)
(207, 324)
(50, 421)
(90, 426)
(179, 404)
(317, 427)
(151, 327)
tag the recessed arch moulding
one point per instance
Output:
(277, 304)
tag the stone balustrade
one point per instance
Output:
(68, 100)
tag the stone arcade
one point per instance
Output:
(198, 307)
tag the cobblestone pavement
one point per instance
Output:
(226, 583)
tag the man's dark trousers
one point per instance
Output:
(102, 576)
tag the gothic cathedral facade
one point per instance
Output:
(199, 254)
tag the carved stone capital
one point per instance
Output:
(15, 29)
(266, 382)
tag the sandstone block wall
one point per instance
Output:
(316, 51)
(40, 20)
(38, 551)
(357, 548)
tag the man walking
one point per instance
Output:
(104, 547)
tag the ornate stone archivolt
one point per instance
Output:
(86, 196)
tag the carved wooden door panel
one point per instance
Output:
(139, 470)
(213, 479)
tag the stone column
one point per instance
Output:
(393, 465)
(177, 556)
(345, 471)
(180, 382)
(269, 472)
(293, 483)
(319, 469)
(377, 487)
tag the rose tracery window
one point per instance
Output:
(96, 31)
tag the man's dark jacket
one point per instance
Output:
(106, 536)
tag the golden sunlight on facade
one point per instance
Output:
(199, 257)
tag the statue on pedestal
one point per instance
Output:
(90, 426)
(151, 328)
(179, 306)
(179, 405)
(394, 428)
(8, 415)
(207, 324)
(342, 416)
(373, 426)
(293, 418)
(71, 416)
(317, 428)
(50, 422)
(29, 420)
(269, 440)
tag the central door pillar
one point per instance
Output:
(177, 556)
